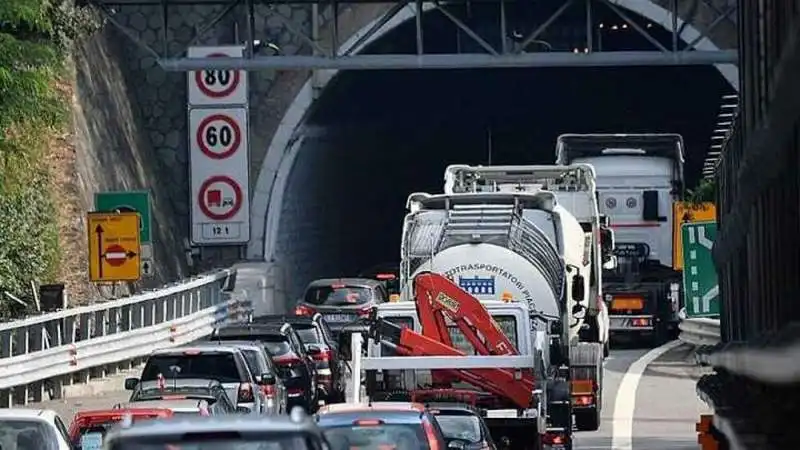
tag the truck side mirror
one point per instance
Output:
(578, 288)
(610, 263)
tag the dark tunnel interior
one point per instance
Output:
(374, 137)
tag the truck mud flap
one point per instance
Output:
(520, 432)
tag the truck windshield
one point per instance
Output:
(631, 259)
(508, 324)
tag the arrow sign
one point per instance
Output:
(99, 231)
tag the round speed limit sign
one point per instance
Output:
(217, 83)
(218, 136)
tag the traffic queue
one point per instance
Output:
(276, 382)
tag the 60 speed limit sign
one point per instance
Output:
(217, 87)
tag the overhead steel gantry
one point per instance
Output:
(510, 54)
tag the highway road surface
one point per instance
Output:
(654, 388)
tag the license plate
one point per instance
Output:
(339, 317)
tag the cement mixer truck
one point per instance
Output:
(493, 296)
(574, 187)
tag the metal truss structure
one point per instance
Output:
(513, 51)
(728, 110)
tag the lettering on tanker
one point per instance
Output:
(492, 269)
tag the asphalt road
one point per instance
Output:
(664, 412)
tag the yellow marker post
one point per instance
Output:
(114, 246)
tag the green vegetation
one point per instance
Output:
(705, 191)
(35, 40)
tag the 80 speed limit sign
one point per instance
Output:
(217, 87)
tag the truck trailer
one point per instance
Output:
(639, 178)
(575, 190)
(504, 273)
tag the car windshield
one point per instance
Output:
(91, 438)
(466, 427)
(338, 295)
(19, 434)
(277, 345)
(215, 366)
(266, 443)
(508, 325)
(253, 361)
(384, 436)
(309, 335)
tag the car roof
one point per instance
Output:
(335, 408)
(179, 404)
(215, 424)
(351, 282)
(284, 318)
(211, 347)
(251, 329)
(452, 406)
(26, 413)
(178, 383)
(250, 345)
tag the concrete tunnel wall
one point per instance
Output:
(285, 170)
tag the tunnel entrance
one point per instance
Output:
(374, 137)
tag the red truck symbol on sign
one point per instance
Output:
(214, 198)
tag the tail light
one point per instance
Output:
(385, 276)
(294, 392)
(268, 390)
(554, 439)
(245, 394)
(582, 400)
(303, 310)
(324, 355)
(288, 360)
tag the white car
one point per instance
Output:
(34, 429)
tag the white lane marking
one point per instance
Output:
(625, 404)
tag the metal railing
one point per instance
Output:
(700, 332)
(42, 354)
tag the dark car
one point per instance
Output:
(247, 432)
(322, 347)
(387, 273)
(341, 300)
(396, 425)
(462, 426)
(295, 366)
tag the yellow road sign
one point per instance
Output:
(114, 253)
(684, 212)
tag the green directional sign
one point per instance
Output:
(700, 285)
(128, 201)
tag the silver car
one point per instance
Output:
(223, 363)
(243, 432)
(260, 363)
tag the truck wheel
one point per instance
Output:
(587, 357)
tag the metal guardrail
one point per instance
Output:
(700, 332)
(44, 353)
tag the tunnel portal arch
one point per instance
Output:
(286, 143)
